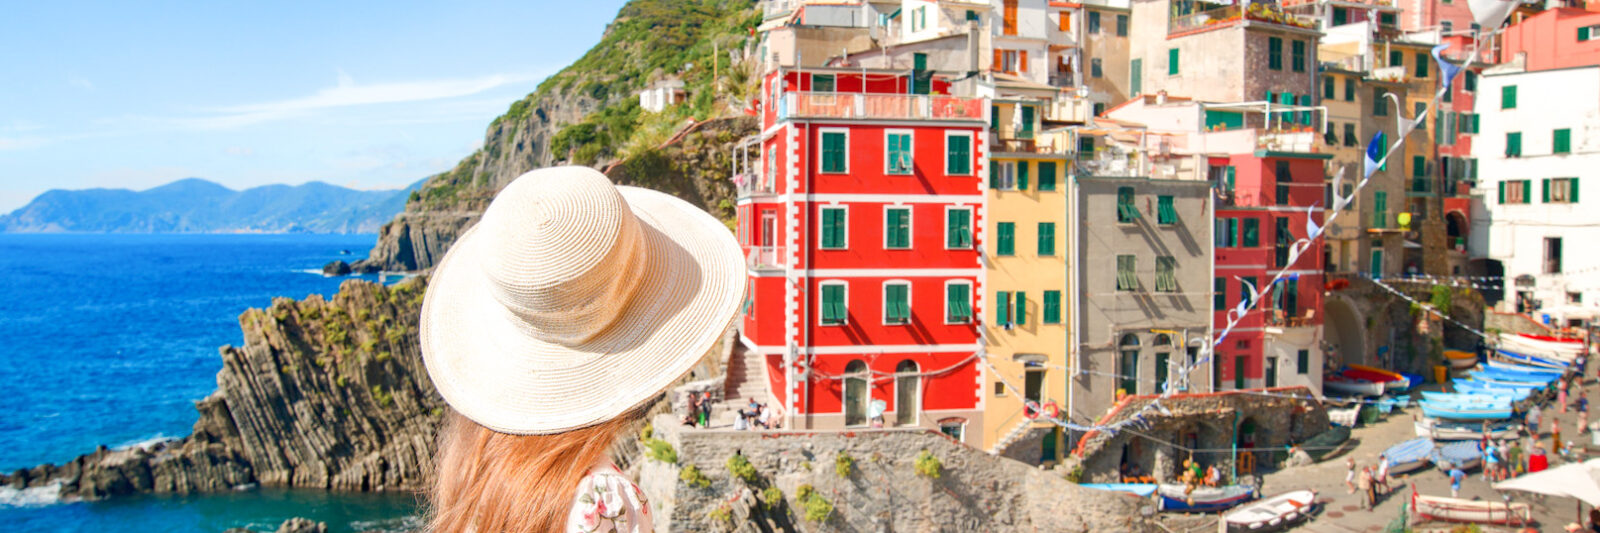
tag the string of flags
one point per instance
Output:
(1428, 308)
(1449, 281)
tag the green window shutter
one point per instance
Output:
(1126, 212)
(1022, 175)
(1275, 53)
(1327, 87)
(1419, 166)
(1397, 58)
(1513, 144)
(1527, 187)
(1422, 65)
(1572, 190)
(1172, 61)
(1047, 175)
(1305, 116)
(958, 154)
(1251, 233)
(1475, 123)
(1380, 209)
(1544, 190)
(994, 175)
(1005, 244)
(1562, 142)
(1022, 308)
(957, 303)
(994, 115)
(833, 228)
(833, 152)
(834, 310)
(1219, 294)
(1583, 33)
(1166, 274)
(958, 228)
(1052, 307)
(899, 153)
(1002, 308)
(897, 228)
(1027, 122)
(1502, 192)
(1508, 97)
(1232, 232)
(1047, 238)
(895, 307)
(1127, 280)
(1299, 58)
(1228, 176)
(1379, 105)
(1165, 212)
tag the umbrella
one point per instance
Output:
(1573, 480)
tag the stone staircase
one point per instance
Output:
(1011, 436)
(746, 380)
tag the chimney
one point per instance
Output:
(1161, 97)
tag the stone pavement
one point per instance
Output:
(1342, 512)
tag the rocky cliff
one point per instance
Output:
(323, 393)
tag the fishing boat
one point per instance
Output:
(1511, 378)
(1462, 397)
(1466, 412)
(1565, 348)
(1459, 510)
(1489, 387)
(1461, 359)
(1532, 360)
(1349, 385)
(1409, 455)
(1137, 489)
(1345, 417)
(1473, 402)
(1447, 430)
(1277, 513)
(1392, 381)
(1203, 499)
(1461, 454)
(1522, 369)
(1327, 442)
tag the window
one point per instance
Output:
(1349, 89)
(1003, 175)
(1166, 214)
(958, 154)
(919, 19)
(907, 389)
(955, 428)
(1275, 53)
(1163, 360)
(834, 152)
(1284, 240)
(973, 16)
(1238, 371)
(1047, 175)
(1008, 13)
(835, 223)
(1126, 279)
(834, 309)
(1219, 294)
(1348, 189)
(1227, 232)
(1588, 32)
(1136, 77)
(856, 393)
(1005, 238)
(1421, 61)
(1022, 175)
(1397, 58)
(1561, 190)
(1380, 209)
(1552, 255)
(1469, 79)
(1002, 308)
(1271, 372)
(1508, 97)
(1250, 233)
(1513, 144)
(1122, 25)
(1298, 58)
(1416, 111)
(1327, 87)
(897, 228)
(822, 83)
(1021, 314)
(1094, 22)
(1064, 22)
(1047, 238)
(957, 302)
(1085, 147)
(1302, 362)
(1419, 168)
(897, 152)
(1126, 212)
(1172, 62)
(1380, 107)
(896, 302)
(1514, 191)
(999, 389)
(958, 228)
(1375, 268)
(1052, 307)
(1340, 16)
(1561, 143)
(1350, 138)
(1386, 19)
(1094, 67)
(1166, 274)
(1129, 367)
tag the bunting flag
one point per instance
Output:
(1401, 123)
(1446, 68)
(1312, 230)
(1339, 201)
(1374, 153)
(1489, 14)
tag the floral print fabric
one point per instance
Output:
(607, 502)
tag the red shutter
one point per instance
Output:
(999, 61)
(1022, 61)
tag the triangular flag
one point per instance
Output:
(1374, 153)
(1448, 69)
(1489, 14)
(1401, 124)
(1312, 229)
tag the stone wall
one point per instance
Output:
(1213, 420)
(975, 491)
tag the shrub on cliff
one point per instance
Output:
(843, 464)
(741, 468)
(692, 477)
(928, 466)
(773, 496)
(818, 508)
(383, 397)
(661, 450)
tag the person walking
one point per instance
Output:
(1367, 496)
(1514, 458)
(1350, 475)
(705, 409)
(548, 328)
(1555, 436)
(1491, 463)
(1531, 420)
(1561, 395)
(1382, 478)
(1456, 476)
(1583, 411)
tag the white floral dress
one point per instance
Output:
(607, 502)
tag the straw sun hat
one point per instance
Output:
(573, 301)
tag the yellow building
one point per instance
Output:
(1025, 332)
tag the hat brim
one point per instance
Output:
(492, 369)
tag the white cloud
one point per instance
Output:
(22, 143)
(347, 93)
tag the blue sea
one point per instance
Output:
(110, 339)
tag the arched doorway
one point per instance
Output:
(1344, 333)
(907, 393)
(855, 393)
(1246, 443)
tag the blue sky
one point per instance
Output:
(362, 94)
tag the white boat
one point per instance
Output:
(1273, 514)
(1436, 429)
(1346, 417)
(1347, 385)
(1178, 498)
(1459, 510)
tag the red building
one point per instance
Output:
(1454, 127)
(859, 219)
(1262, 209)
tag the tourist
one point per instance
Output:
(693, 416)
(1531, 420)
(764, 417)
(1213, 476)
(548, 329)
(1456, 476)
(705, 409)
(1555, 435)
(1514, 458)
(1537, 460)
(1561, 395)
(1383, 472)
(1594, 519)
(741, 422)
(1368, 499)
(1491, 463)
(1350, 475)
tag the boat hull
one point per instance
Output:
(1457, 412)
(1433, 429)
(1277, 513)
(1358, 388)
(1458, 510)
(1203, 499)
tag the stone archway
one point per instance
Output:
(1344, 331)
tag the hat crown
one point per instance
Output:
(559, 249)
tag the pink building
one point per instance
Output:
(1563, 37)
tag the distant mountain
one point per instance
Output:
(195, 205)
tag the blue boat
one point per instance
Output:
(1137, 489)
(1523, 369)
(1463, 454)
(1465, 398)
(1204, 499)
(1531, 380)
(1409, 455)
(1472, 402)
(1466, 412)
(1546, 362)
(1491, 387)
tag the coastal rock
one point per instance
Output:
(301, 525)
(336, 268)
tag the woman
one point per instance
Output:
(549, 328)
(1350, 475)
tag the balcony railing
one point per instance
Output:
(879, 106)
(1027, 143)
(751, 184)
(1277, 318)
(1288, 141)
(766, 257)
(1226, 14)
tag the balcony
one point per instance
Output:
(879, 106)
(766, 257)
(1269, 13)
(751, 185)
(1276, 318)
(1304, 141)
(1025, 142)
